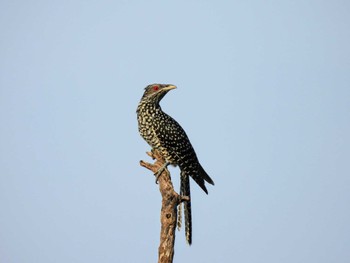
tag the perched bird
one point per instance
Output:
(166, 135)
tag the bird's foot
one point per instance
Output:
(159, 172)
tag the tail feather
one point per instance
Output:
(179, 216)
(185, 191)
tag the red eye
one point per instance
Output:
(155, 88)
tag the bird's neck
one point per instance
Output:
(148, 106)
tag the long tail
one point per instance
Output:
(185, 191)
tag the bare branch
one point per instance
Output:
(168, 215)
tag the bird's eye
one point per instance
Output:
(155, 88)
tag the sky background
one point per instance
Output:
(263, 93)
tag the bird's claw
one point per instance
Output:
(159, 172)
(157, 175)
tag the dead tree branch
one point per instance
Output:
(168, 215)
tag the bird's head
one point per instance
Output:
(155, 92)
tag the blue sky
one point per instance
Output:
(263, 93)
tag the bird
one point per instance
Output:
(165, 134)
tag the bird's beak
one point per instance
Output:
(169, 87)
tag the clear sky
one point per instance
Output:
(263, 93)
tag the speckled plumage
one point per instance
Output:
(162, 132)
